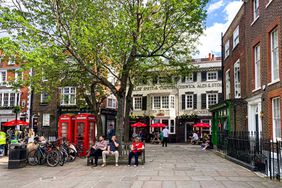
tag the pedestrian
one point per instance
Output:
(2, 143)
(97, 150)
(110, 132)
(165, 136)
(136, 149)
(141, 135)
(112, 150)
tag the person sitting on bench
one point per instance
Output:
(136, 150)
(195, 138)
(112, 150)
(97, 149)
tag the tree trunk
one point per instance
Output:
(99, 125)
(120, 118)
(128, 107)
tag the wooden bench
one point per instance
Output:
(124, 150)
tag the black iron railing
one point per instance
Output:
(249, 147)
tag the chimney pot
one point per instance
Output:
(209, 57)
(212, 57)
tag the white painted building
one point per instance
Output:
(191, 94)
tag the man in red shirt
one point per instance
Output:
(136, 149)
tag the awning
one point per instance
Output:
(15, 122)
(202, 125)
(159, 125)
(138, 124)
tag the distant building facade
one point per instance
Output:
(182, 102)
(9, 96)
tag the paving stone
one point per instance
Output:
(169, 184)
(152, 184)
(172, 167)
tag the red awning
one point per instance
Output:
(202, 125)
(158, 125)
(15, 122)
(138, 124)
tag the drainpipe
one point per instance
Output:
(222, 67)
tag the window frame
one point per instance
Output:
(134, 102)
(1, 76)
(186, 101)
(236, 37)
(2, 94)
(257, 65)
(226, 49)
(228, 90)
(275, 120)
(170, 99)
(212, 72)
(255, 5)
(69, 94)
(237, 86)
(272, 55)
(208, 94)
(42, 101)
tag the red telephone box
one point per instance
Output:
(84, 132)
(65, 127)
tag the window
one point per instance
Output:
(18, 76)
(227, 85)
(12, 99)
(46, 120)
(276, 118)
(189, 101)
(8, 99)
(68, 96)
(274, 55)
(255, 9)
(44, 97)
(11, 61)
(3, 76)
(165, 102)
(237, 82)
(257, 66)
(137, 103)
(186, 79)
(211, 76)
(226, 49)
(212, 99)
(111, 102)
(157, 102)
(236, 37)
(171, 101)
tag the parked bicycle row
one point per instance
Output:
(54, 153)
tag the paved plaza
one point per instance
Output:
(177, 166)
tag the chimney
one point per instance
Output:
(209, 57)
(212, 57)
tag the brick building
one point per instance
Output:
(10, 71)
(45, 113)
(263, 49)
(230, 115)
(258, 54)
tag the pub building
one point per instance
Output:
(182, 102)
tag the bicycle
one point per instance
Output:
(45, 153)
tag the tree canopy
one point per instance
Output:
(121, 38)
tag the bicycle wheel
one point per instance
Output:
(32, 158)
(72, 155)
(63, 157)
(53, 158)
(62, 160)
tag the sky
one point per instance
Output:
(220, 14)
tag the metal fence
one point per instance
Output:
(254, 151)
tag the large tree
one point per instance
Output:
(123, 38)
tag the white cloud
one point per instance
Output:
(215, 6)
(210, 41)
